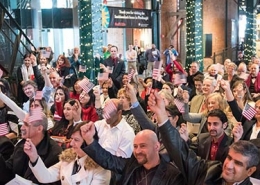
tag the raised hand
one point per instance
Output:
(130, 91)
(237, 131)
(184, 132)
(30, 149)
(88, 132)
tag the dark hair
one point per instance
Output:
(65, 90)
(248, 149)
(218, 113)
(91, 101)
(170, 85)
(198, 77)
(113, 46)
(27, 55)
(5, 88)
(174, 111)
(77, 128)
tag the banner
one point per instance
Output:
(120, 17)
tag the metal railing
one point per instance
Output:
(14, 42)
(231, 53)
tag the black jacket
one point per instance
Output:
(18, 163)
(202, 146)
(195, 171)
(166, 173)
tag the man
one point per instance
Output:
(18, 163)
(151, 56)
(241, 161)
(114, 133)
(131, 56)
(198, 83)
(118, 65)
(214, 145)
(145, 166)
(194, 71)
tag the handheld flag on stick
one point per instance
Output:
(109, 110)
(130, 75)
(38, 95)
(35, 115)
(86, 85)
(248, 112)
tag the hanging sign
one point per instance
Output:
(119, 17)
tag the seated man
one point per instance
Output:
(147, 165)
(47, 149)
(214, 144)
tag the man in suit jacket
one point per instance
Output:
(214, 145)
(117, 64)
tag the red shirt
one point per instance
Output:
(214, 147)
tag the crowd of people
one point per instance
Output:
(184, 127)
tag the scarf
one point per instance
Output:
(26, 73)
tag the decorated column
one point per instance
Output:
(250, 35)
(91, 40)
(194, 43)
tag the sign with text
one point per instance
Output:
(120, 17)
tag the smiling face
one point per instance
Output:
(54, 78)
(239, 91)
(113, 52)
(59, 95)
(166, 88)
(207, 87)
(235, 167)
(27, 62)
(257, 108)
(29, 91)
(212, 104)
(68, 111)
(84, 98)
(215, 126)
(145, 148)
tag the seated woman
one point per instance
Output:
(75, 167)
(61, 95)
(62, 129)
(63, 66)
(87, 102)
(127, 114)
(213, 101)
(76, 91)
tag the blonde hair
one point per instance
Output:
(123, 91)
(222, 102)
(167, 96)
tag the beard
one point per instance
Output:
(141, 158)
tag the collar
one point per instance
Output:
(120, 126)
(219, 139)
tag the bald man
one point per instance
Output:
(146, 166)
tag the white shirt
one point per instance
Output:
(117, 140)
(255, 131)
(131, 55)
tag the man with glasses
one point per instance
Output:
(18, 163)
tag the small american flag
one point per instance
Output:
(248, 112)
(130, 75)
(82, 69)
(179, 104)
(109, 110)
(86, 85)
(35, 115)
(156, 70)
(180, 78)
(102, 76)
(38, 95)
(4, 129)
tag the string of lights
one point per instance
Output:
(194, 43)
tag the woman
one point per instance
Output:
(169, 87)
(75, 167)
(61, 95)
(76, 91)
(75, 59)
(70, 118)
(127, 114)
(213, 101)
(63, 66)
(43, 61)
(28, 71)
(87, 101)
